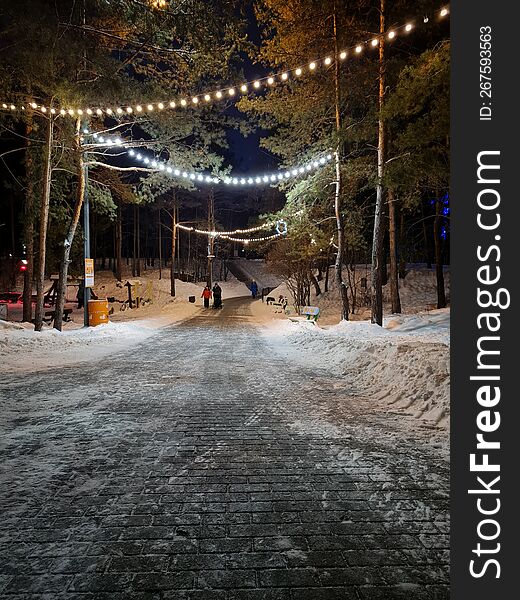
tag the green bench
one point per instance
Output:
(311, 312)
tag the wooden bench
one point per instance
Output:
(49, 316)
(311, 312)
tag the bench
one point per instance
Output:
(311, 312)
(49, 316)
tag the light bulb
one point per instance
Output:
(242, 181)
(219, 94)
(129, 109)
(375, 42)
(298, 71)
(99, 111)
(172, 104)
(146, 161)
(33, 105)
(425, 20)
(169, 169)
(231, 91)
(53, 110)
(409, 27)
(195, 100)
(444, 12)
(343, 55)
(119, 111)
(70, 111)
(108, 111)
(258, 180)
(62, 111)
(177, 172)
(131, 152)
(391, 35)
(256, 84)
(312, 66)
(138, 156)
(160, 106)
(328, 60)
(183, 102)
(243, 87)
(284, 76)
(270, 81)
(207, 97)
(89, 111)
(44, 110)
(358, 49)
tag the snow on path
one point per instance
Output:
(200, 459)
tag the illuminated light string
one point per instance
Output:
(252, 240)
(280, 225)
(265, 179)
(229, 92)
(215, 233)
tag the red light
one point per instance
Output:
(23, 267)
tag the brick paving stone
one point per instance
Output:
(160, 474)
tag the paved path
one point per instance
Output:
(199, 466)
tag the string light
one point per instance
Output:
(127, 108)
(227, 180)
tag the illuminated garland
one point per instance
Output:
(216, 233)
(248, 241)
(230, 92)
(159, 165)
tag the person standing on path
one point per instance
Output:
(254, 289)
(217, 296)
(206, 294)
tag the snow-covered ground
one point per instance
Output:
(402, 367)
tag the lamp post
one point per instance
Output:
(86, 247)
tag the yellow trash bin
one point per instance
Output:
(97, 312)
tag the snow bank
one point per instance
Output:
(23, 349)
(403, 366)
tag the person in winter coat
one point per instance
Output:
(217, 296)
(254, 289)
(206, 294)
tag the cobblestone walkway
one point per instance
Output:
(199, 466)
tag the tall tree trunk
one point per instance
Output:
(138, 236)
(67, 244)
(159, 232)
(377, 241)
(119, 241)
(316, 284)
(402, 262)
(437, 226)
(44, 219)
(394, 273)
(174, 239)
(340, 224)
(134, 240)
(427, 247)
(28, 227)
(327, 269)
